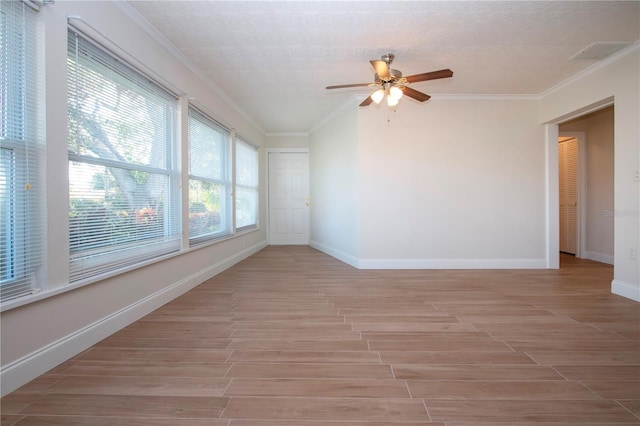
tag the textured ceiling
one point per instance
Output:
(274, 58)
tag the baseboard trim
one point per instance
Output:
(599, 257)
(27, 368)
(453, 264)
(430, 263)
(628, 290)
(338, 254)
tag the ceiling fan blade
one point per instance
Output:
(433, 75)
(343, 86)
(366, 101)
(381, 68)
(412, 93)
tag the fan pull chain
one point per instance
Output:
(389, 111)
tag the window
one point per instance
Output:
(21, 211)
(209, 179)
(246, 185)
(123, 177)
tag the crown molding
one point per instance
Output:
(350, 101)
(159, 38)
(488, 97)
(286, 134)
(592, 69)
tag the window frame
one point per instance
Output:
(91, 264)
(253, 188)
(225, 182)
(19, 135)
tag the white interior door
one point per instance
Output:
(289, 198)
(568, 189)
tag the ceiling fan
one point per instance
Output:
(391, 83)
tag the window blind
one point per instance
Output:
(123, 177)
(246, 185)
(209, 179)
(21, 212)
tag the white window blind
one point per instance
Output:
(21, 211)
(123, 178)
(246, 185)
(209, 179)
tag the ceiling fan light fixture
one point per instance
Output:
(395, 93)
(392, 84)
(377, 96)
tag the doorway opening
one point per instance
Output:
(586, 185)
(569, 189)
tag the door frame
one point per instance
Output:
(581, 191)
(268, 152)
(552, 210)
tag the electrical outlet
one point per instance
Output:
(636, 176)
(633, 254)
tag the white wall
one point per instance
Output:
(37, 336)
(617, 78)
(452, 183)
(334, 167)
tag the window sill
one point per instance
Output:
(45, 294)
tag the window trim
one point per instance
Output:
(83, 267)
(22, 139)
(226, 182)
(256, 225)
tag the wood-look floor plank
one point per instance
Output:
(318, 388)
(362, 409)
(114, 421)
(298, 345)
(616, 389)
(575, 345)
(599, 372)
(358, 357)
(171, 407)
(280, 334)
(293, 337)
(534, 334)
(327, 423)
(261, 370)
(164, 343)
(16, 402)
(499, 411)
(438, 346)
(585, 357)
(148, 368)
(466, 373)
(500, 390)
(9, 420)
(633, 406)
(453, 357)
(534, 423)
(166, 355)
(443, 327)
(429, 336)
(130, 385)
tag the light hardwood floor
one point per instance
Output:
(291, 337)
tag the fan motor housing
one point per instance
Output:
(394, 75)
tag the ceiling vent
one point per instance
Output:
(600, 50)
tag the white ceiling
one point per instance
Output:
(275, 58)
